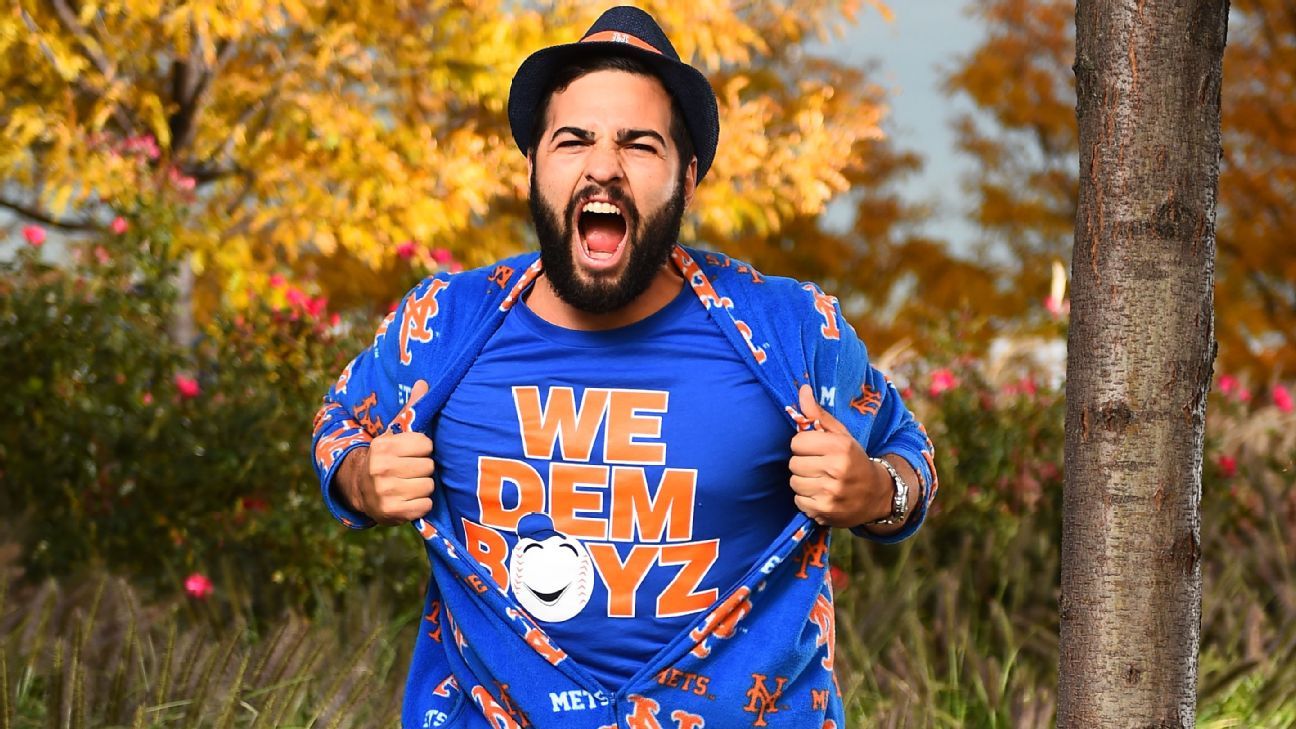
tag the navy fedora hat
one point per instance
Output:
(626, 31)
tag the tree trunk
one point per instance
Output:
(1139, 360)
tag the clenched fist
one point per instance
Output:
(391, 480)
(833, 480)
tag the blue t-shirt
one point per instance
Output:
(617, 482)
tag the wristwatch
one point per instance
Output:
(899, 499)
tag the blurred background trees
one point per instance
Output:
(323, 136)
(1023, 136)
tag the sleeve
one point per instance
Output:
(362, 404)
(895, 431)
(864, 399)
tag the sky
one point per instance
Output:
(910, 55)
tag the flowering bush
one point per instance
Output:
(187, 468)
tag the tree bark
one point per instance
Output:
(1140, 350)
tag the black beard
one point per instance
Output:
(650, 248)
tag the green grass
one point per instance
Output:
(89, 654)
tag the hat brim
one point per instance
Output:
(691, 90)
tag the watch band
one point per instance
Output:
(899, 499)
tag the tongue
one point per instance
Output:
(603, 238)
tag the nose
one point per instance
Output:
(603, 166)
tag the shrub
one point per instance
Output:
(128, 451)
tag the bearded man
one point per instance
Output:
(640, 448)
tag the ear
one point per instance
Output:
(690, 181)
(530, 162)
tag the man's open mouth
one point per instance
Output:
(602, 229)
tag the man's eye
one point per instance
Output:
(643, 148)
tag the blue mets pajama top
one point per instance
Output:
(612, 541)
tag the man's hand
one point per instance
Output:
(391, 480)
(835, 482)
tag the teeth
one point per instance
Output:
(601, 207)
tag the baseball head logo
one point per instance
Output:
(550, 572)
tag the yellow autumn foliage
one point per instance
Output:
(321, 135)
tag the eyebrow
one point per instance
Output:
(623, 136)
(584, 134)
(626, 135)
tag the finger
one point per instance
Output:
(407, 511)
(407, 445)
(389, 492)
(814, 411)
(404, 420)
(412, 468)
(805, 400)
(810, 466)
(416, 509)
(805, 486)
(818, 443)
(808, 507)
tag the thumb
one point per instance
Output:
(404, 419)
(811, 409)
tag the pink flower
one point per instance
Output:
(101, 255)
(840, 578)
(198, 586)
(182, 182)
(147, 398)
(1227, 465)
(942, 380)
(276, 280)
(334, 319)
(295, 296)
(119, 225)
(315, 307)
(1227, 384)
(1243, 395)
(442, 255)
(143, 144)
(1282, 398)
(406, 250)
(34, 234)
(187, 387)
